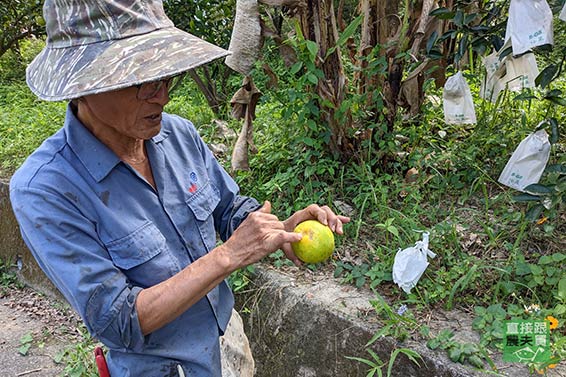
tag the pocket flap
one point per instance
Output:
(203, 202)
(137, 247)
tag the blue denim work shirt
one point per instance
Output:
(102, 234)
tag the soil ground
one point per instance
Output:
(47, 326)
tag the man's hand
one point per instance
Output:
(260, 234)
(323, 214)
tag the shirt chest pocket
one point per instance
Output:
(202, 204)
(143, 256)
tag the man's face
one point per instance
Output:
(120, 114)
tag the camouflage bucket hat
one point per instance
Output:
(95, 46)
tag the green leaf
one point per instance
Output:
(463, 47)
(562, 289)
(412, 355)
(362, 360)
(433, 343)
(24, 348)
(557, 100)
(313, 48)
(454, 354)
(525, 96)
(535, 269)
(526, 198)
(546, 76)
(554, 132)
(349, 31)
(458, 18)
(312, 78)
(534, 213)
(545, 259)
(469, 18)
(431, 41)
(393, 230)
(296, 68)
(538, 189)
(558, 257)
(442, 13)
(476, 361)
(28, 338)
(556, 168)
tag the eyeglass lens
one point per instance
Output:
(150, 89)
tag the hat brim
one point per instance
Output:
(58, 74)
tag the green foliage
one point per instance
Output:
(211, 20)
(376, 365)
(19, 20)
(13, 63)
(393, 324)
(459, 352)
(189, 102)
(78, 358)
(240, 279)
(25, 123)
(26, 342)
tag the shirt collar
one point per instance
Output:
(98, 159)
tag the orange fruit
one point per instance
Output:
(317, 244)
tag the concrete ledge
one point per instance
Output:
(14, 250)
(306, 327)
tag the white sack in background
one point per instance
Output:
(513, 73)
(521, 72)
(529, 25)
(526, 165)
(245, 43)
(458, 101)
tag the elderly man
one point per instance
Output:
(121, 207)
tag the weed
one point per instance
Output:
(459, 352)
(79, 357)
(26, 342)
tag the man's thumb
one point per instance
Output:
(266, 207)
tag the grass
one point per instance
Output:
(488, 251)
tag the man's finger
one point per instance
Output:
(266, 207)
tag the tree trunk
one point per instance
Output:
(318, 24)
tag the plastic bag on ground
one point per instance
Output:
(458, 101)
(410, 264)
(526, 165)
(529, 25)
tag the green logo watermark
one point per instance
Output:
(527, 341)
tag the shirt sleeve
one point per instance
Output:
(233, 207)
(65, 244)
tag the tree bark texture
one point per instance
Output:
(318, 24)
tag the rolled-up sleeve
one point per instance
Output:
(65, 244)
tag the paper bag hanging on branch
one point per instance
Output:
(526, 165)
(529, 25)
(458, 101)
(492, 84)
(246, 40)
(507, 72)
(243, 104)
(521, 72)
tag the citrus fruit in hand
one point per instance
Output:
(317, 243)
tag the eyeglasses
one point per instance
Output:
(150, 89)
